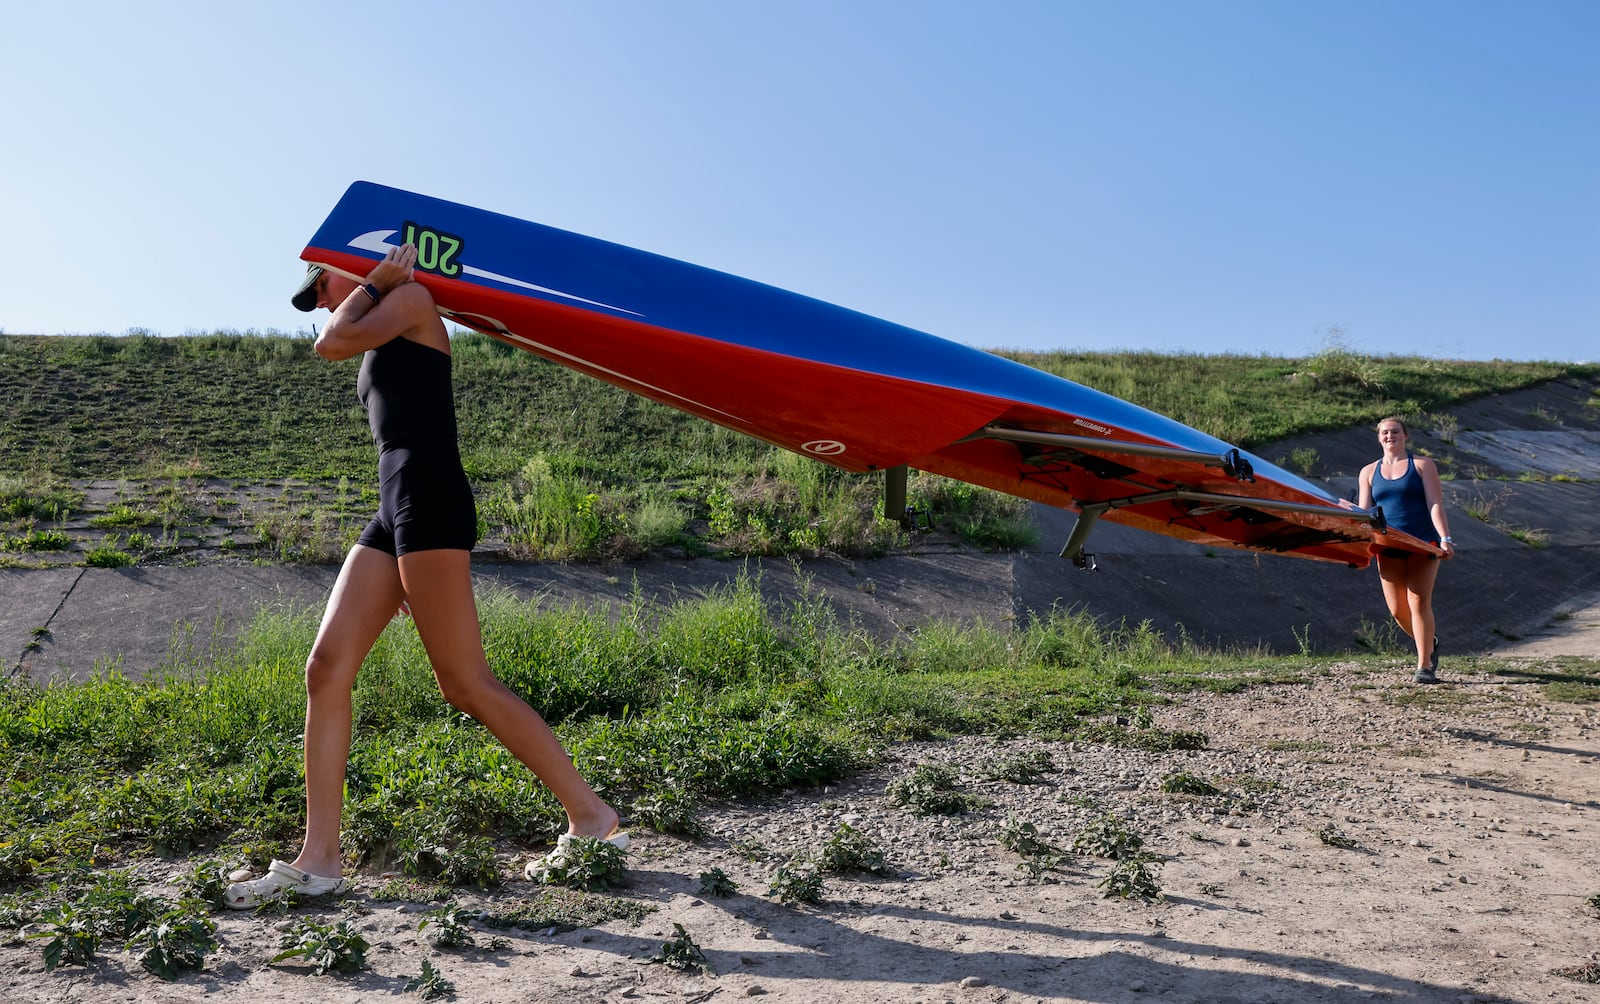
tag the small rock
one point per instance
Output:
(576, 971)
(241, 875)
(754, 990)
(974, 982)
(1241, 842)
(1137, 986)
(762, 935)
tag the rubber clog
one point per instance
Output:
(281, 879)
(539, 868)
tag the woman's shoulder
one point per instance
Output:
(1425, 465)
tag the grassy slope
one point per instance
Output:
(245, 406)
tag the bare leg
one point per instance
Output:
(1421, 575)
(1394, 573)
(438, 588)
(363, 600)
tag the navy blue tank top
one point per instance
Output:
(1404, 501)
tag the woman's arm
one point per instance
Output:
(1434, 493)
(1365, 480)
(403, 308)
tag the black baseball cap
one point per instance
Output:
(305, 298)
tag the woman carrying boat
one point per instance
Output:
(414, 556)
(1407, 487)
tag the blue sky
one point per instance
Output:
(1246, 177)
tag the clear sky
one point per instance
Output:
(1241, 176)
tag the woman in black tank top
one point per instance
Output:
(414, 557)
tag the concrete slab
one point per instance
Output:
(1571, 453)
(32, 597)
(1557, 406)
(1498, 589)
(1573, 629)
(132, 619)
(138, 621)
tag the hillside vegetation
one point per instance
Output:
(567, 466)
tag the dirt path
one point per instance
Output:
(1468, 812)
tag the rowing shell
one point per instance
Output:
(847, 389)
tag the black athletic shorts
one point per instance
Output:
(422, 506)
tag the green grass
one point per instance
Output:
(719, 697)
(1253, 400)
(265, 406)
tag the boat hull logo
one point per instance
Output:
(823, 447)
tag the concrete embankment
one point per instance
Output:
(1530, 570)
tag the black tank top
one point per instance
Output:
(405, 388)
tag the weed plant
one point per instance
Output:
(1133, 877)
(1019, 768)
(797, 881)
(931, 789)
(718, 884)
(447, 927)
(682, 954)
(430, 984)
(326, 948)
(1108, 837)
(849, 850)
(1185, 783)
(1040, 858)
(669, 810)
(1022, 837)
(175, 944)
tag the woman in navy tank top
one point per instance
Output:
(414, 558)
(1407, 487)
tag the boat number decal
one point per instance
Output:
(824, 447)
(436, 251)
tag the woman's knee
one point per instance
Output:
(468, 691)
(326, 671)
